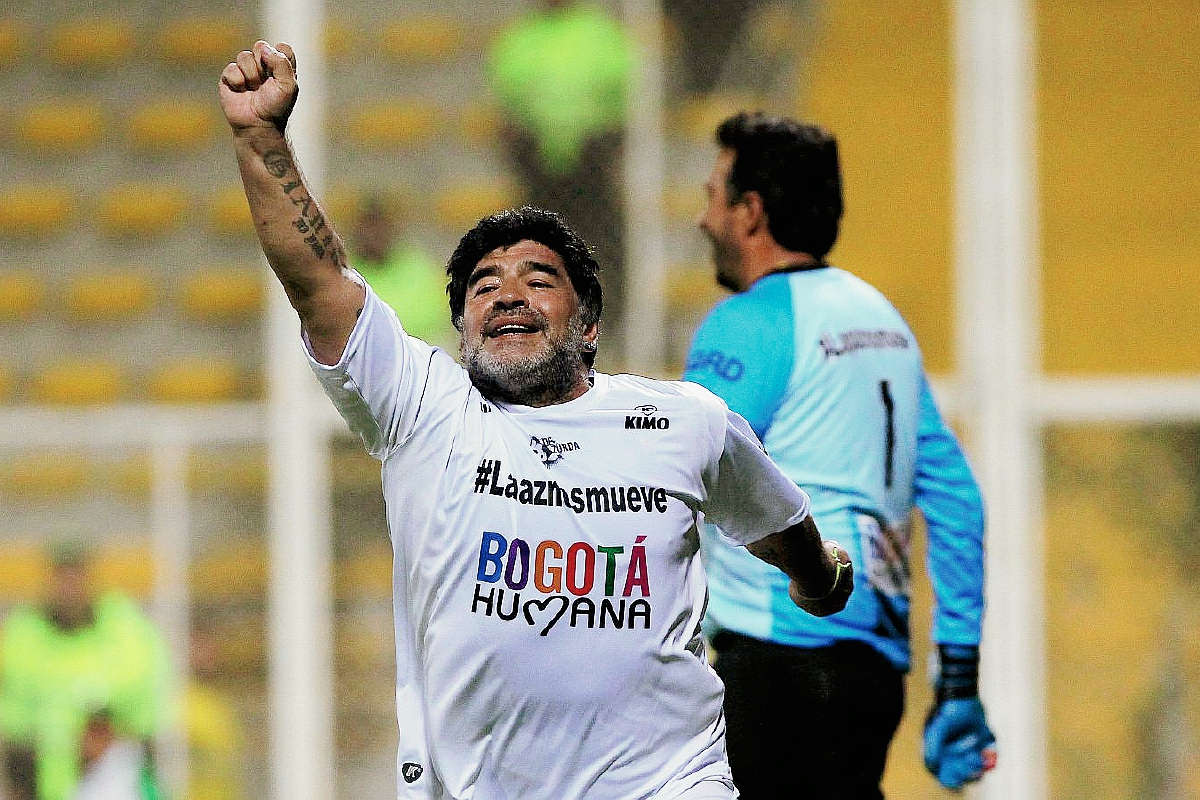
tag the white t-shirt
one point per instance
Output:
(547, 584)
(116, 775)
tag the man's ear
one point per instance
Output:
(752, 216)
(591, 335)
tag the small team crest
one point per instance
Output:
(550, 451)
(410, 771)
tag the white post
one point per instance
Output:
(300, 693)
(645, 174)
(170, 600)
(998, 331)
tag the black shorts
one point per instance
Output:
(808, 722)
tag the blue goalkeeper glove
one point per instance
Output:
(959, 746)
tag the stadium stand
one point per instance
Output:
(80, 382)
(61, 127)
(208, 380)
(91, 43)
(396, 122)
(141, 209)
(14, 38)
(173, 125)
(235, 572)
(460, 205)
(695, 118)
(25, 569)
(479, 123)
(21, 295)
(223, 294)
(228, 213)
(42, 474)
(108, 295)
(35, 209)
(240, 473)
(366, 575)
(129, 567)
(339, 38)
(201, 42)
(422, 39)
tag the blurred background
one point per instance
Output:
(155, 411)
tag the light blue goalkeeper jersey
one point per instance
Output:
(831, 379)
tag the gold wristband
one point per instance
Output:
(832, 548)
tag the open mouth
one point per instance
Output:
(512, 328)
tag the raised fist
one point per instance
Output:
(259, 87)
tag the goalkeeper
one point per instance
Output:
(830, 377)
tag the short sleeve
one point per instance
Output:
(382, 378)
(749, 497)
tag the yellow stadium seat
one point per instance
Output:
(338, 39)
(109, 296)
(21, 295)
(359, 648)
(201, 41)
(461, 206)
(91, 43)
(141, 209)
(35, 210)
(26, 571)
(14, 38)
(172, 125)
(224, 294)
(691, 288)
(125, 568)
(6, 384)
(423, 39)
(229, 212)
(697, 119)
(79, 382)
(43, 474)
(195, 381)
(394, 123)
(234, 570)
(66, 126)
(132, 476)
(683, 204)
(480, 124)
(353, 469)
(771, 28)
(342, 203)
(366, 575)
(242, 472)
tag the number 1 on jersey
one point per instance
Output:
(889, 409)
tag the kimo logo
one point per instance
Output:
(410, 771)
(647, 420)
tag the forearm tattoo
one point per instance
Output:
(310, 222)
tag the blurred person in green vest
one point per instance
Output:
(401, 272)
(560, 74)
(78, 653)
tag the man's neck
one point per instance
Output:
(767, 260)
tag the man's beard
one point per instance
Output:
(725, 259)
(532, 380)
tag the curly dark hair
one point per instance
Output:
(508, 227)
(794, 168)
